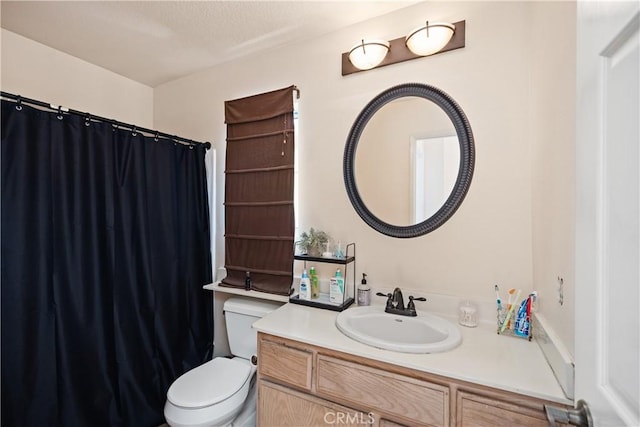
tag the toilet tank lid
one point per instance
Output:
(210, 383)
(250, 307)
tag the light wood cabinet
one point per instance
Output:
(303, 385)
(286, 364)
(404, 397)
(477, 410)
(279, 406)
(387, 423)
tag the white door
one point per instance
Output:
(608, 211)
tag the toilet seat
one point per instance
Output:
(210, 383)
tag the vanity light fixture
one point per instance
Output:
(367, 55)
(430, 38)
(361, 57)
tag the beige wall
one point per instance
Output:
(513, 79)
(36, 71)
(489, 240)
(552, 126)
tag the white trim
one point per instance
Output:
(557, 355)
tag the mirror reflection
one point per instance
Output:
(407, 161)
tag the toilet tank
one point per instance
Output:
(240, 314)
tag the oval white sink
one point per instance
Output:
(425, 333)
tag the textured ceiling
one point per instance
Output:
(153, 42)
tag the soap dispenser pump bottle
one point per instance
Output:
(364, 291)
(315, 283)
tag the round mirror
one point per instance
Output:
(414, 160)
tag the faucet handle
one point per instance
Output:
(412, 305)
(389, 298)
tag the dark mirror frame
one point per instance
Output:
(465, 172)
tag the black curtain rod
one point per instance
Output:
(21, 99)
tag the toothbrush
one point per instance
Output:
(509, 303)
(533, 296)
(509, 313)
(498, 301)
(512, 291)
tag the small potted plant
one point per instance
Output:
(313, 242)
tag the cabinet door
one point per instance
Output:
(282, 407)
(482, 411)
(387, 423)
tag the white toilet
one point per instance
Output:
(221, 392)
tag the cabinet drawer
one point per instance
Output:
(287, 364)
(403, 397)
(281, 407)
(480, 411)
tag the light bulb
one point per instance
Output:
(430, 38)
(367, 55)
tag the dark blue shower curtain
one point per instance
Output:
(105, 248)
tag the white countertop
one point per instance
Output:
(484, 357)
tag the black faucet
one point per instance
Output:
(395, 303)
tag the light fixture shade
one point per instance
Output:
(367, 55)
(430, 38)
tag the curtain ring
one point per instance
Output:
(87, 119)
(157, 136)
(60, 117)
(19, 103)
(134, 131)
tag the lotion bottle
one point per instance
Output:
(364, 291)
(305, 286)
(336, 288)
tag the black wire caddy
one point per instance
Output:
(323, 300)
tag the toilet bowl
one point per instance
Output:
(222, 391)
(247, 415)
(209, 395)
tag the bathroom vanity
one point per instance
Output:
(310, 374)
